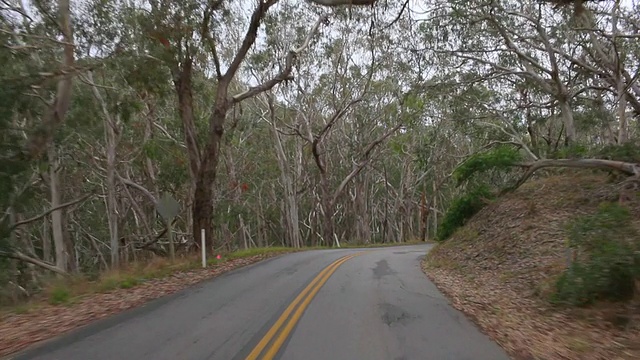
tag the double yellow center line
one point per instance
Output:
(299, 304)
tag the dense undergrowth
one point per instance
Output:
(606, 265)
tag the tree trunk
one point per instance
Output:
(435, 209)
(46, 241)
(56, 215)
(69, 241)
(112, 204)
(327, 212)
(424, 217)
(291, 221)
(111, 140)
(567, 119)
(202, 210)
(619, 75)
(203, 195)
(39, 141)
(363, 229)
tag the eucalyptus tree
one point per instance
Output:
(193, 35)
(41, 38)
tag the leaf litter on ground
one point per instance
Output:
(20, 330)
(498, 268)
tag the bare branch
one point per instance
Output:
(139, 187)
(343, 2)
(620, 166)
(249, 38)
(285, 74)
(17, 255)
(40, 216)
(366, 157)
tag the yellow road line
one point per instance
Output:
(311, 290)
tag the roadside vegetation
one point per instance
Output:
(550, 270)
(129, 129)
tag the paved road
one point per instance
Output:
(376, 305)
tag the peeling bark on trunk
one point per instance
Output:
(620, 79)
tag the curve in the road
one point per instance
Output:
(312, 305)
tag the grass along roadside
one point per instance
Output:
(66, 292)
(67, 305)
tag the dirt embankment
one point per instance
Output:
(501, 267)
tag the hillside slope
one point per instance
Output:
(501, 267)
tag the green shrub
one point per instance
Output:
(59, 295)
(461, 209)
(129, 282)
(499, 160)
(573, 151)
(629, 152)
(107, 284)
(609, 261)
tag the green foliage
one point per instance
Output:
(59, 295)
(629, 152)
(573, 151)
(500, 159)
(611, 262)
(129, 282)
(14, 163)
(462, 208)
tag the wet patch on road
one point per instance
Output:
(382, 269)
(393, 314)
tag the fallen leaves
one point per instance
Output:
(18, 331)
(499, 268)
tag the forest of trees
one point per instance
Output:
(286, 123)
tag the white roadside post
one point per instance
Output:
(204, 250)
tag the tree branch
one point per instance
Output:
(17, 255)
(365, 160)
(285, 74)
(139, 187)
(342, 2)
(620, 166)
(38, 217)
(249, 38)
(206, 37)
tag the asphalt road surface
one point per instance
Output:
(338, 304)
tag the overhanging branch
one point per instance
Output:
(630, 169)
(343, 2)
(285, 74)
(40, 216)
